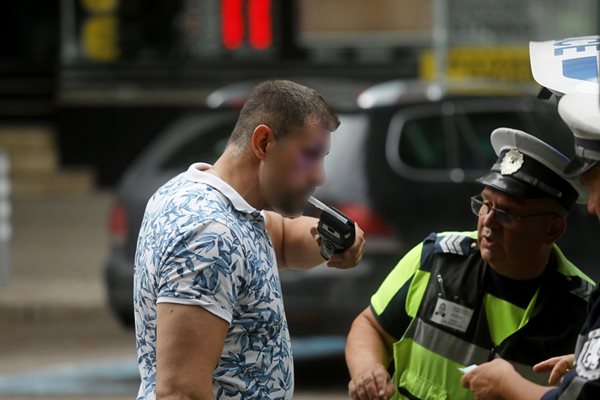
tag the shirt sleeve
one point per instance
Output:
(201, 268)
(390, 302)
(574, 387)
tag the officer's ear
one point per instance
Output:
(558, 226)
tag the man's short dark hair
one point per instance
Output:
(282, 105)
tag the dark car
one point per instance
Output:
(401, 165)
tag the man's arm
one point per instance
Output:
(296, 243)
(189, 342)
(368, 353)
(498, 379)
(373, 332)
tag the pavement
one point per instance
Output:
(58, 340)
(53, 309)
(58, 248)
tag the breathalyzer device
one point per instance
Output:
(336, 229)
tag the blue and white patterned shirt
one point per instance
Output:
(202, 244)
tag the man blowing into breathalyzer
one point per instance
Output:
(209, 314)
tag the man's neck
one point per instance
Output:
(242, 175)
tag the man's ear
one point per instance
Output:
(558, 226)
(263, 139)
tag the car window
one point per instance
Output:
(451, 142)
(423, 143)
(474, 129)
(345, 164)
(205, 145)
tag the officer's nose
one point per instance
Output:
(489, 219)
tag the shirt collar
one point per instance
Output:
(197, 173)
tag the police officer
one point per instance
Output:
(553, 65)
(582, 380)
(459, 299)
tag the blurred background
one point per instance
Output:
(101, 101)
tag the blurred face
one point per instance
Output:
(591, 180)
(293, 168)
(523, 240)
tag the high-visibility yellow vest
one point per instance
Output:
(441, 340)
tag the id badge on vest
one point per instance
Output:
(452, 315)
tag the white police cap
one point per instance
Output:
(581, 113)
(570, 68)
(527, 167)
(567, 65)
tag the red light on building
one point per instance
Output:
(232, 23)
(260, 24)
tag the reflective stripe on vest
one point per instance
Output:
(461, 351)
(445, 344)
(427, 362)
(445, 349)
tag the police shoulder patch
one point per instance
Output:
(454, 244)
(588, 361)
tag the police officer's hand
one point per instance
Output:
(486, 380)
(374, 383)
(558, 365)
(351, 256)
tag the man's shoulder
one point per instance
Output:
(189, 200)
(454, 242)
(182, 210)
(451, 244)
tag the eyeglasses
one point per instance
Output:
(505, 219)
